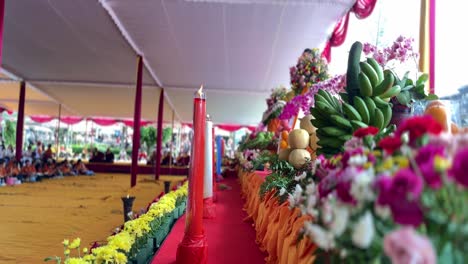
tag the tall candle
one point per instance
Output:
(208, 184)
(194, 220)
(193, 248)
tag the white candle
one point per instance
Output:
(208, 179)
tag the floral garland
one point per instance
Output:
(410, 186)
(275, 104)
(120, 245)
(305, 101)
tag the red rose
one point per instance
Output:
(366, 131)
(418, 126)
(390, 144)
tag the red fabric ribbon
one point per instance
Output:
(362, 9)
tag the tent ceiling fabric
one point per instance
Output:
(66, 41)
(239, 49)
(229, 46)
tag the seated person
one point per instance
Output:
(65, 168)
(151, 158)
(9, 153)
(28, 154)
(12, 168)
(109, 156)
(48, 154)
(28, 170)
(81, 169)
(166, 160)
(97, 156)
(49, 169)
(183, 160)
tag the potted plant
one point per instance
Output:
(412, 95)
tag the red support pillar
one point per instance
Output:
(20, 122)
(215, 186)
(136, 123)
(157, 161)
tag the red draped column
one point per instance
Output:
(20, 120)
(136, 123)
(432, 28)
(215, 185)
(2, 15)
(157, 161)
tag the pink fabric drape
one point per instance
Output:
(362, 9)
(71, 120)
(103, 121)
(129, 123)
(41, 118)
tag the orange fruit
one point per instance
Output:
(283, 144)
(439, 113)
(434, 103)
(284, 135)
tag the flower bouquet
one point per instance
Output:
(396, 199)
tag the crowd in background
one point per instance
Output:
(36, 163)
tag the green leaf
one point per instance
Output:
(407, 88)
(55, 258)
(402, 82)
(404, 98)
(446, 254)
(422, 79)
(431, 97)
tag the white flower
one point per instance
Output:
(363, 232)
(292, 202)
(340, 220)
(296, 197)
(282, 191)
(311, 188)
(320, 236)
(357, 160)
(311, 203)
(382, 211)
(361, 186)
(327, 214)
(300, 177)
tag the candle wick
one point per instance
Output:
(200, 91)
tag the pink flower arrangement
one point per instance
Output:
(405, 246)
(401, 50)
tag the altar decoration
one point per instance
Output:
(261, 140)
(275, 104)
(136, 240)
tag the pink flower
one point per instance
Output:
(460, 167)
(390, 144)
(402, 194)
(425, 160)
(405, 246)
(366, 131)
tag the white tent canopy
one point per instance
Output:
(82, 54)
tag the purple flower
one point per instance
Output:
(383, 184)
(327, 184)
(460, 167)
(406, 184)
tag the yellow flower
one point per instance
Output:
(386, 165)
(75, 243)
(367, 165)
(120, 258)
(441, 164)
(66, 242)
(401, 161)
(76, 261)
(66, 252)
(122, 241)
(85, 250)
(89, 258)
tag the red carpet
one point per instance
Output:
(230, 240)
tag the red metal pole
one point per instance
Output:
(159, 135)
(136, 123)
(20, 122)
(193, 248)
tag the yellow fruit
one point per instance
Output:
(438, 111)
(298, 139)
(284, 154)
(284, 135)
(298, 157)
(283, 144)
